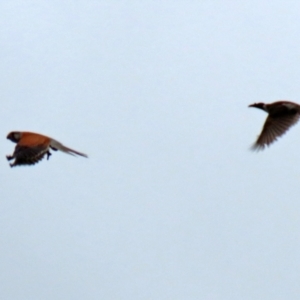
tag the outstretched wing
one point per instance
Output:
(275, 127)
(28, 155)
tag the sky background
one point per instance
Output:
(171, 203)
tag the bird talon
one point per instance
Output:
(48, 154)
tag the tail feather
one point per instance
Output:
(59, 146)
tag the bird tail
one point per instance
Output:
(59, 146)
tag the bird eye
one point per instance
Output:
(16, 135)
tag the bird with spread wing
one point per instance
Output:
(32, 147)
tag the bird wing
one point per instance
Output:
(273, 128)
(28, 155)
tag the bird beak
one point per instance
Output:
(251, 105)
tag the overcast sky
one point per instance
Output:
(171, 203)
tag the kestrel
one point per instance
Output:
(32, 147)
(282, 116)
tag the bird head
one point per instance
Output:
(14, 136)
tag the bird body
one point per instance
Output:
(32, 147)
(30, 139)
(282, 116)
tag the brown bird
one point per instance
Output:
(32, 147)
(282, 116)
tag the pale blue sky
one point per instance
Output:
(171, 203)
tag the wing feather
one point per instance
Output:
(28, 155)
(273, 128)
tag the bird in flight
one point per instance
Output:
(282, 116)
(32, 147)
